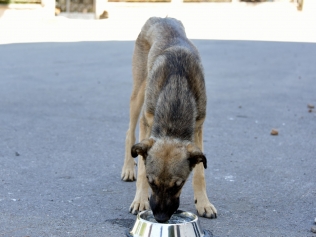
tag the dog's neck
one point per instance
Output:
(175, 113)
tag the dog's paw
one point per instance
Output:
(128, 173)
(138, 206)
(205, 209)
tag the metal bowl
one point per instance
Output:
(181, 224)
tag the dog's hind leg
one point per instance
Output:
(202, 204)
(139, 66)
(136, 103)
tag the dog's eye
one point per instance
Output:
(150, 179)
(179, 183)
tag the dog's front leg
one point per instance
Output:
(203, 206)
(141, 202)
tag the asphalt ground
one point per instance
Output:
(64, 114)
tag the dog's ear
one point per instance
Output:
(142, 147)
(196, 156)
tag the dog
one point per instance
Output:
(169, 93)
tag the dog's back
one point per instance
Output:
(175, 82)
(159, 34)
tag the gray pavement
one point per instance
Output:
(64, 114)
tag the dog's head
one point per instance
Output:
(168, 164)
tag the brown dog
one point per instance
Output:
(169, 90)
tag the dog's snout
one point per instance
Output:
(161, 218)
(163, 208)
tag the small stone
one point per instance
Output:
(310, 106)
(313, 229)
(104, 15)
(274, 132)
(17, 153)
(315, 220)
(310, 110)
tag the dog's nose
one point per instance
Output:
(162, 218)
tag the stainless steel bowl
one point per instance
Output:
(181, 224)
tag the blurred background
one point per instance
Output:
(98, 20)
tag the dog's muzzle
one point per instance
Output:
(163, 208)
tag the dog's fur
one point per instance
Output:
(169, 91)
